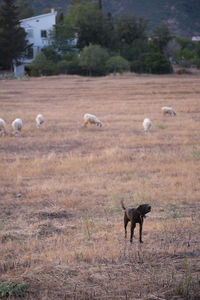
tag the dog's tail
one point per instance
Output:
(122, 204)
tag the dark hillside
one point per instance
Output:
(182, 16)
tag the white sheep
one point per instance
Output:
(17, 126)
(2, 127)
(91, 119)
(147, 124)
(168, 110)
(39, 120)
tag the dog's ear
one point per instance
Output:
(141, 209)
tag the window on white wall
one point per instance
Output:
(29, 53)
(43, 34)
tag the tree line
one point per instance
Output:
(88, 41)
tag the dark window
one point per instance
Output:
(29, 53)
(43, 33)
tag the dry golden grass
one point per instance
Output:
(64, 236)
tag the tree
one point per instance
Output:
(171, 48)
(160, 37)
(100, 4)
(63, 38)
(133, 51)
(25, 11)
(152, 62)
(51, 54)
(129, 29)
(109, 37)
(93, 59)
(185, 57)
(46, 10)
(184, 42)
(12, 37)
(87, 21)
(198, 49)
(187, 53)
(117, 64)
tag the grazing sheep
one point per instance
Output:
(17, 126)
(147, 124)
(91, 119)
(2, 127)
(168, 110)
(39, 120)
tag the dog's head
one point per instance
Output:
(144, 209)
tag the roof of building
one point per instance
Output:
(53, 12)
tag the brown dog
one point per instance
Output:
(135, 215)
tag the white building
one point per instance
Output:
(38, 29)
(196, 38)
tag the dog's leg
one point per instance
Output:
(126, 220)
(133, 224)
(141, 223)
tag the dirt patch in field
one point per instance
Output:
(55, 215)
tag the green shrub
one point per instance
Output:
(62, 67)
(117, 64)
(51, 54)
(185, 57)
(138, 66)
(93, 59)
(9, 288)
(42, 66)
(184, 287)
(153, 62)
(133, 51)
(70, 55)
(70, 66)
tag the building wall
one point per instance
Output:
(38, 30)
(36, 27)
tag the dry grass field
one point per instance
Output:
(61, 223)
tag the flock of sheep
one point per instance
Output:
(17, 125)
(166, 110)
(88, 119)
(91, 119)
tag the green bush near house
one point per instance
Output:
(70, 66)
(93, 60)
(153, 62)
(51, 54)
(63, 66)
(117, 64)
(42, 66)
(185, 57)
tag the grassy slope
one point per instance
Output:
(64, 235)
